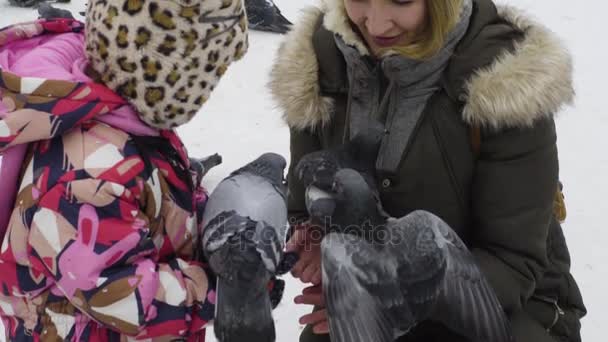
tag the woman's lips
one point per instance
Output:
(386, 41)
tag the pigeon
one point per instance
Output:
(264, 15)
(203, 165)
(46, 11)
(316, 170)
(33, 3)
(319, 168)
(382, 275)
(245, 223)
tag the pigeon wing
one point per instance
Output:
(249, 196)
(467, 303)
(363, 298)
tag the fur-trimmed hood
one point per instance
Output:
(520, 85)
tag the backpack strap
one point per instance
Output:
(559, 203)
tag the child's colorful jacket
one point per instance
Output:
(100, 244)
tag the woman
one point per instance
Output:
(101, 241)
(467, 92)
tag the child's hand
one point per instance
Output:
(318, 319)
(306, 241)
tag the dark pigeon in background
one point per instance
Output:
(46, 11)
(33, 3)
(264, 15)
(245, 222)
(385, 275)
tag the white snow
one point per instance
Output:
(240, 122)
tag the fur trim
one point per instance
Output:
(532, 82)
(294, 77)
(336, 20)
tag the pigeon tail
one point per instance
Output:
(203, 165)
(243, 313)
(275, 27)
(281, 20)
(211, 161)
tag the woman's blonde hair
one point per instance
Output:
(442, 16)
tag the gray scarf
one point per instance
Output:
(411, 83)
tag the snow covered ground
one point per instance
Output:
(240, 122)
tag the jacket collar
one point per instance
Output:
(518, 87)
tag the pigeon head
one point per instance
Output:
(317, 168)
(270, 166)
(356, 208)
(351, 189)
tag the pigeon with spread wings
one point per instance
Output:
(382, 276)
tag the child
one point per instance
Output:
(100, 244)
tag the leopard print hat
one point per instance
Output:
(164, 56)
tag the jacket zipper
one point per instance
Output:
(446, 161)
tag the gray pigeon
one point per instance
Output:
(46, 11)
(382, 275)
(319, 168)
(264, 15)
(33, 3)
(245, 222)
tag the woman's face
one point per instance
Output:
(387, 23)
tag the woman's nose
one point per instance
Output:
(378, 22)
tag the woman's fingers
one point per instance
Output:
(297, 241)
(317, 277)
(306, 242)
(321, 328)
(316, 289)
(310, 259)
(316, 300)
(311, 296)
(310, 271)
(305, 261)
(314, 318)
(299, 267)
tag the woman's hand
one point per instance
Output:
(318, 319)
(306, 241)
